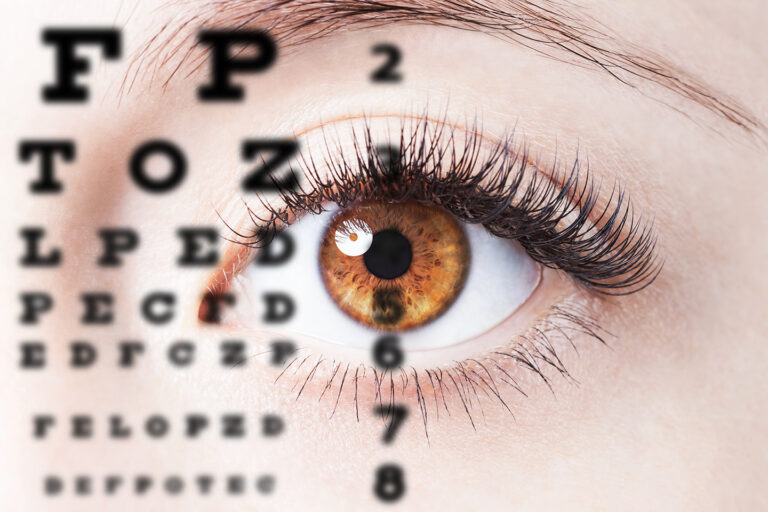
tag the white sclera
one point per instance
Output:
(501, 277)
(353, 237)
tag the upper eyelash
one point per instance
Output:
(554, 216)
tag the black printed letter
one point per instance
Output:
(35, 303)
(262, 177)
(224, 64)
(193, 248)
(47, 182)
(170, 151)
(68, 65)
(33, 258)
(116, 240)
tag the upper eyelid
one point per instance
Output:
(236, 257)
(624, 246)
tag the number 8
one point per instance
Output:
(389, 483)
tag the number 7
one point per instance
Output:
(399, 414)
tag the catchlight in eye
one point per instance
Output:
(394, 266)
(353, 237)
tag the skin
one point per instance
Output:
(668, 417)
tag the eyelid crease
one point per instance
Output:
(555, 214)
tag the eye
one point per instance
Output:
(412, 269)
(482, 264)
(394, 266)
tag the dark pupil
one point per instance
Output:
(389, 256)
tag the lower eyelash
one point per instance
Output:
(467, 383)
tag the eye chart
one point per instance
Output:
(100, 344)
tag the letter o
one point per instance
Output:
(154, 185)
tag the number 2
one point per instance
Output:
(387, 73)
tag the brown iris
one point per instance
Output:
(394, 266)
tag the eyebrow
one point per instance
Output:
(544, 26)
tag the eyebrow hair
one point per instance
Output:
(544, 26)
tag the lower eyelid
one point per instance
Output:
(467, 389)
(498, 371)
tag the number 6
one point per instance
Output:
(387, 353)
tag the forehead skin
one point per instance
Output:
(669, 418)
